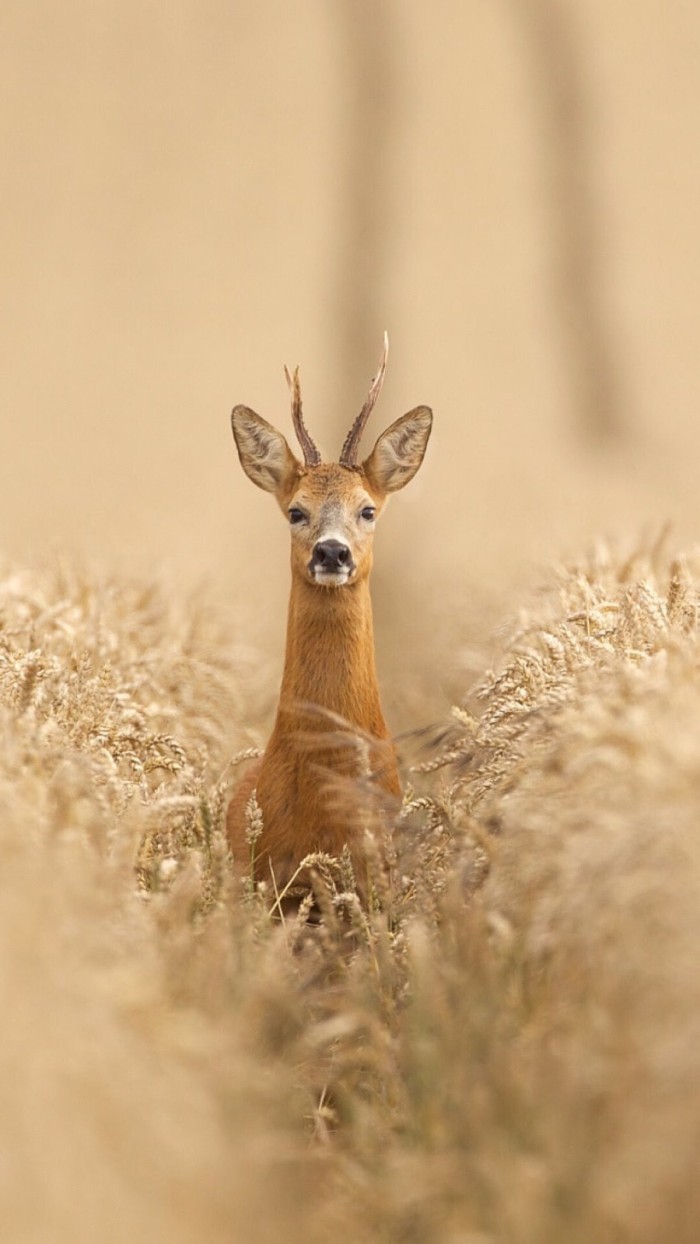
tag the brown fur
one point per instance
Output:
(329, 666)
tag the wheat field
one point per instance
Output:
(505, 1049)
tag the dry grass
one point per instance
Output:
(506, 1049)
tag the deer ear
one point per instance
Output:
(264, 453)
(399, 451)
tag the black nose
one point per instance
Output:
(331, 556)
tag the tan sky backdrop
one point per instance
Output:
(197, 192)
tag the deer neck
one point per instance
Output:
(329, 658)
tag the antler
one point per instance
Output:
(348, 456)
(311, 455)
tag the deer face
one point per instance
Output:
(331, 507)
(331, 515)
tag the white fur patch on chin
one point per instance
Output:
(334, 578)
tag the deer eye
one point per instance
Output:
(368, 513)
(296, 516)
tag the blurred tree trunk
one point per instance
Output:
(366, 55)
(575, 227)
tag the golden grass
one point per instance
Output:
(505, 1050)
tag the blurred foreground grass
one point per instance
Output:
(514, 1055)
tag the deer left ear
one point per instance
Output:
(399, 451)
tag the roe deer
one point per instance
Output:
(329, 671)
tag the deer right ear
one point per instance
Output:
(264, 453)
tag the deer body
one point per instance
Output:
(330, 748)
(329, 665)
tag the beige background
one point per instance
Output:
(195, 193)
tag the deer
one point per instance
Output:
(330, 741)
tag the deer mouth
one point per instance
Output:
(331, 578)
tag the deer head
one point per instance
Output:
(332, 507)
